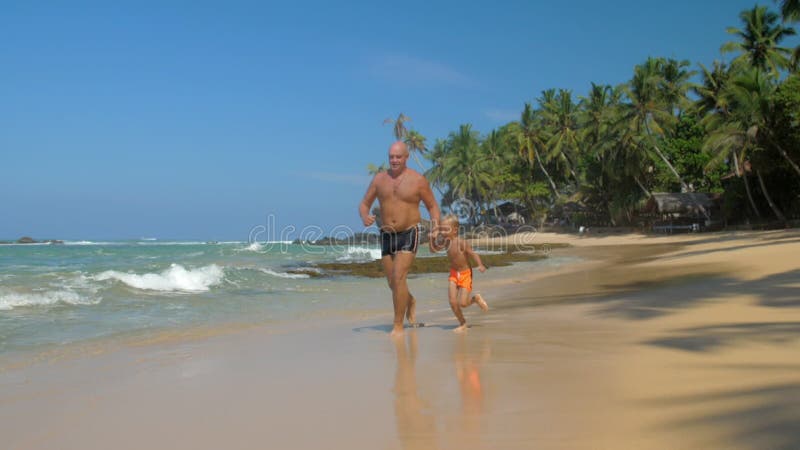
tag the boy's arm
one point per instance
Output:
(475, 257)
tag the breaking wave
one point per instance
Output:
(11, 300)
(176, 278)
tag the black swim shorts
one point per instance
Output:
(404, 241)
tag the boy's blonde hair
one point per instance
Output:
(452, 220)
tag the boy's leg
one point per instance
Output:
(453, 293)
(464, 298)
(477, 298)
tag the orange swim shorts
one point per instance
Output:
(462, 279)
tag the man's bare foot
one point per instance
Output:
(481, 302)
(396, 332)
(461, 329)
(411, 312)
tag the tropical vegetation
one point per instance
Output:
(731, 129)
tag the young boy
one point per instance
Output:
(459, 253)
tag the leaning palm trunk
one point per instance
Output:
(419, 162)
(772, 204)
(750, 196)
(570, 165)
(746, 185)
(684, 186)
(786, 157)
(641, 186)
(546, 173)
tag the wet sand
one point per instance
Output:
(674, 342)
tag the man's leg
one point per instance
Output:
(388, 268)
(400, 295)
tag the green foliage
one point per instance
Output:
(685, 149)
(759, 39)
(608, 151)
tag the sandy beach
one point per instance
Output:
(687, 341)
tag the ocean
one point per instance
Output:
(55, 295)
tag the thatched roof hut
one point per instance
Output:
(679, 203)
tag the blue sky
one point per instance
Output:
(198, 119)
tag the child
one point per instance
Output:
(459, 253)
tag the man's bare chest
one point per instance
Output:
(402, 190)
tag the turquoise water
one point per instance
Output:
(53, 295)
(58, 294)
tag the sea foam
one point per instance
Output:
(176, 278)
(282, 274)
(11, 300)
(360, 254)
(254, 247)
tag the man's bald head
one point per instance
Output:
(398, 155)
(399, 146)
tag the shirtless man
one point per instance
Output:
(399, 191)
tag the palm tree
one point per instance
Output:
(596, 112)
(464, 169)
(647, 116)
(790, 10)
(728, 141)
(530, 139)
(416, 145)
(596, 117)
(559, 115)
(759, 41)
(751, 94)
(398, 126)
(748, 125)
(499, 163)
(374, 170)
(675, 83)
(723, 141)
(711, 91)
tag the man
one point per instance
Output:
(399, 191)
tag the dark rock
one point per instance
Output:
(26, 240)
(435, 264)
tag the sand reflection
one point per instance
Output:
(469, 357)
(416, 425)
(461, 416)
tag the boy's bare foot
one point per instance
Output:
(411, 312)
(461, 329)
(396, 332)
(481, 302)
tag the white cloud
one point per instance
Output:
(403, 68)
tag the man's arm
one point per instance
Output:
(366, 204)
(433, 208)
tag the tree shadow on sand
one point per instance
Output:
(644, 300)
(661, 292)
(765, 416)
(763, 243)
(713, 337)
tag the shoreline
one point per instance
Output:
(672, 343)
